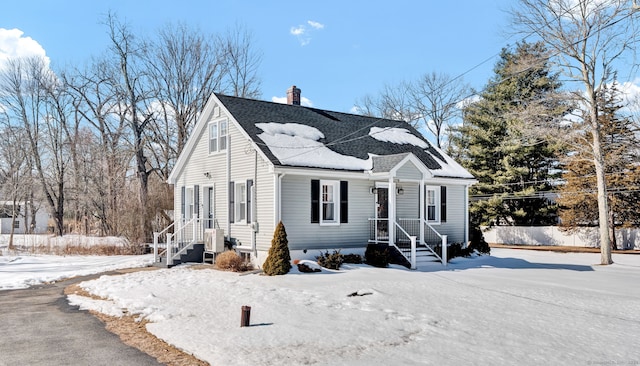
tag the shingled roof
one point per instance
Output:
(347, 135)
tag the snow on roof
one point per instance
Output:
(397, 136)
(449, 167)
(297, 145)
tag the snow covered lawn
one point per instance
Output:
(27, 270)
(515, 307)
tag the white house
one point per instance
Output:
(22, 224)
(335, 180)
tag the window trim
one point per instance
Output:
(220, 139)
(435, 205)
(240, 203)
(335, 200)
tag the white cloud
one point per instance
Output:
(314, 24)
(297, 31)
(631, 95)
(13, 45)
(303, 32)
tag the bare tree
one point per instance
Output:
(393, 102)
(588, 37)
(185, 69)
(435, 100)
(241, 62)
(95, 101)
(35, 98)
(132, 91)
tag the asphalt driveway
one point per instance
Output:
(39, 327)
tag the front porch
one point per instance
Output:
(415, 239)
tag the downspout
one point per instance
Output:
(254, 205)
(228, 182)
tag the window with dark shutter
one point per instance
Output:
(344, 201)
(232, 204)
(315, 201)
(443, 204)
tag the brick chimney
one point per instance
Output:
(293, 95)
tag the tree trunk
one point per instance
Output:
(603, 204)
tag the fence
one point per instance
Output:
(552, 235)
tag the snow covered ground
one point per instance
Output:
(27, 270)
(514, 307)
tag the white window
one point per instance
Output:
(329, 202)
(188, 203)
(218, 132)
(241, 202)
(432, 203)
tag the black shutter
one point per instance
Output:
(196, 201)
(232, 203)
(249, 199)
(443, 204)
(315, 201)
(344, 201)
(182, 203)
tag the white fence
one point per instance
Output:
(24, 240)
(552, 235)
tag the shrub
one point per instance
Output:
(330, 260)
(476, 240)
(453, 250)
(352, 258)
(231, 261)
(278, 260)
(377, 256)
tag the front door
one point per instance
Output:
(382, 214)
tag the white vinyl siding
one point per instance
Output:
(455, 226)
(302, 234)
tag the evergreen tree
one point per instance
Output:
(278, 260)
(498, 141)
(578, 196)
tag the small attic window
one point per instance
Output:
(216, 111)
(218, 131)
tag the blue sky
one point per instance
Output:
(335, 51)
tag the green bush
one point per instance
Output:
(377, 256)
(278, 260)
(476, 240)
(330, 260)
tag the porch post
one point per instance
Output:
(421, 213)
(155, 246)
(169, 250)
(466, 216)
(444, 250)
(392, 212)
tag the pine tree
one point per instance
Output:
(278, 260)
(498, 142)
(578, 196)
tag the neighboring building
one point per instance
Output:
(336, 180)
(21, 223)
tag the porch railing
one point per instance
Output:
(433, 240)
(410, 251)
(378, 230)
(191, 231)
(407, 228)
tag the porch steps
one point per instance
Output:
(192, 255)
(425, 257)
